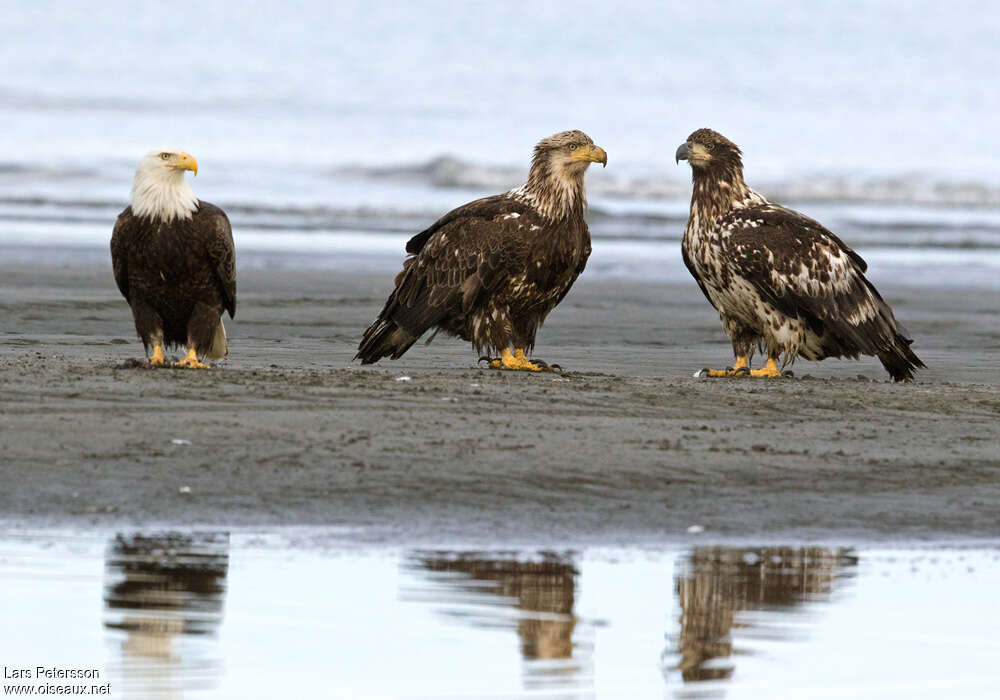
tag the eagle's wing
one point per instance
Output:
(487, 209)
(119, 255)
(454, 261)
(805, 271)
(222, 253)
(581, 265)
(694, 273)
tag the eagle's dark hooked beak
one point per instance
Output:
(683, 151)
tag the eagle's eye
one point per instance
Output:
(710, 146)
(165, 156)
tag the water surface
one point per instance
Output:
(333, 132)
(170, 615)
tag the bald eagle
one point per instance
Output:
(490, 271)
(779, 280)
(174, 262)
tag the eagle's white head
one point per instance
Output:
(160, 190)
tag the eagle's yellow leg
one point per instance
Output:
(768, 370)
(157, 359)
(191, 361)
(741, 362)
(514, 360)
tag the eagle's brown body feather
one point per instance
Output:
(488, 272)
(178, 277)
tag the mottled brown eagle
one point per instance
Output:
(779, 280)
(174, 262)
(490, 271)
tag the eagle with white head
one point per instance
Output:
(174, 262)
(779, 280)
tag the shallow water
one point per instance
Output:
(332, 132)
(170, 615)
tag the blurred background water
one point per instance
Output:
(295, 614)
(333, 131)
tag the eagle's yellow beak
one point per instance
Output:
(595, 154)
(185, 161)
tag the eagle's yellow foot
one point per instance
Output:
(157, 359)
(768, 370)
(191, 361)
(517, 361)
(546, 367)
(706, 372)
(740, 368)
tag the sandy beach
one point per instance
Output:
(622, 447)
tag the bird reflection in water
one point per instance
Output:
(541, 591)
(164, 591)
(717, 583)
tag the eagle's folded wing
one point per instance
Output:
(119, 257)
(453, 262)
(222, 254)
(805, 271)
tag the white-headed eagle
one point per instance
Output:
(174, 261)
(490, 271)
(779, 280)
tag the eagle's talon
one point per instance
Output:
(545, 366)
(728, 372)
(157, 359)
(488, 360)
(702, 373)
(769, 370)
(516, 361)
(741, 371)
(184, 364)
(190, 361)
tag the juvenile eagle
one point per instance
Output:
(490, 271)
(174, 261)
(779, 280)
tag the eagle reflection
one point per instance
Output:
(161, 590)
(542, 591)
(716, 583)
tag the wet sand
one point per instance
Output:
(622, 448)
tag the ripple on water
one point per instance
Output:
(206, 614)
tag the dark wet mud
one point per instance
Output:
(622, 447)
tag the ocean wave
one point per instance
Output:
(450, 172)
(611, 192)
(365, 229)
(861, 226)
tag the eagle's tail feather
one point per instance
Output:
(383, 338)
(219, 347)
(899, 360)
